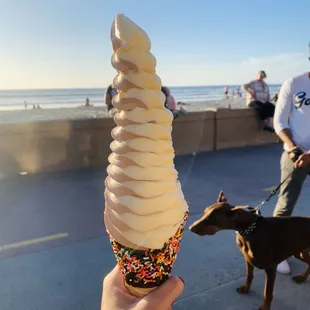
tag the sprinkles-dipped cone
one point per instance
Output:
(145, 210)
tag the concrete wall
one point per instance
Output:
(194, 132)
(51, 146)
(240, 127)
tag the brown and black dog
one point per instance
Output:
(264, 241)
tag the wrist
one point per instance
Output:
(292, 149)
(294, 153)
(291, 145)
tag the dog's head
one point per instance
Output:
(220, 216)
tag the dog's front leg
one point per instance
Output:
(269, 284)
(304, 257)
(244, 289)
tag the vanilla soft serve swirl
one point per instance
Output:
(144, 201)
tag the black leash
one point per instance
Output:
(294, 153)
(275, 190)
(272, 193)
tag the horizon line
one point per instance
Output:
(74, 88)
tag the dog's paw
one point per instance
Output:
(299, 279)
(243, 289)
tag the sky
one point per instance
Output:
(66, 44)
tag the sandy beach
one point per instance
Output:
(47, 115)
(78, 113)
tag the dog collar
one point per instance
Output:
(248, 231)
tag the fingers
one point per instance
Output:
(301, 164)
(114, 277)
(163, 297)
(114, 291)
(300, 161)
(291, 155)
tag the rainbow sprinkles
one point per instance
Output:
(148, 268)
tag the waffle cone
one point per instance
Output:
(138, 291)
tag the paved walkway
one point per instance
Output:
(54, 251)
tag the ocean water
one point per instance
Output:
(58, 98)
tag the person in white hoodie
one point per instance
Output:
(292, 125)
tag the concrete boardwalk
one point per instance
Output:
(54, 251)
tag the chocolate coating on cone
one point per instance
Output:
(148, 268)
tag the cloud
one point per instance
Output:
(175, 70)
(278, 68)
(280, 58)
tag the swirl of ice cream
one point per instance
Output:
(144, 201)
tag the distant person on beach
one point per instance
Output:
(25, 104)
(258, 97)
(226, 91)
(110, 93)
(87, 104)
(171, 104)
(33, 107)
(239, 92)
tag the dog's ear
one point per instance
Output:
(222, 197)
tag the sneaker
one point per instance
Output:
(284, 267)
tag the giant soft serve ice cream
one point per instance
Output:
(145, 210)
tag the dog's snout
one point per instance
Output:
(193, 228)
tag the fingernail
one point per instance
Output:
(182, 280)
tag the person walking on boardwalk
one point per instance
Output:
(292, 125)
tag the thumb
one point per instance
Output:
(164, 296)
